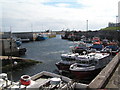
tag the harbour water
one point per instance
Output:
(47, 51)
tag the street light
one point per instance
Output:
(116, 21)
(87, 25)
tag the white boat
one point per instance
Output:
(89, 65)
(4, 82)
(67, 60)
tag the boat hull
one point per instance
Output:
(62, 66)
(40, 38)
(85, 74)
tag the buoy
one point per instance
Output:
(25, 80)
(15, 63)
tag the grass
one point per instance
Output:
(21, 63)
(111, 28)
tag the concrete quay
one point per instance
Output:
(109, 77)
(114, 81)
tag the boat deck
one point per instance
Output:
(38, 83)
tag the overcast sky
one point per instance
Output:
(37, 15)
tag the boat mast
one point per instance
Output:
(10, 57)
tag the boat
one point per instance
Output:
(105, 42)
(63, 36)
(89, 65)
(42, 81)
(111, 48)
(96, 39)
(41, 37)
(97, 46)
(4, 82)
(67, 60)
(80, 48)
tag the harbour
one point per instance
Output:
(70, 48)
(48, 52)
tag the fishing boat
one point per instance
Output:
(80, 48)
(97, 46)
(89, 65)
(67, 60)
(111, 48)
(105, 42)
(96, 39)
(42, 81)
(41, 37)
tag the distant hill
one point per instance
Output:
(111, 28)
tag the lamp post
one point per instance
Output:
(116, 21)
(86, 25)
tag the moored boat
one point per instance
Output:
(67, 60)
(111, 48)
(89, 65)
(97, 46)
(80, 48)
(41, 37)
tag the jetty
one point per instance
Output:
(109, 76)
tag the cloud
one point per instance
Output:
(57, 14)
(63, 5)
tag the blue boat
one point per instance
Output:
(17, 41)
(97, 46)
(41, 37)
(113, 49)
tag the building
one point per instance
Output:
(110, 24)
(117, 24)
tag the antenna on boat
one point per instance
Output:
(86, 28)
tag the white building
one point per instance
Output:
(119, 12)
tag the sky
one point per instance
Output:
(41, 15)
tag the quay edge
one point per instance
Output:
(103, 78)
